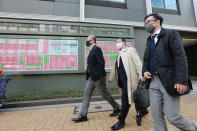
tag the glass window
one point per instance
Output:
(158, 3)
(108, 3)
(171, 4)
(167, 4)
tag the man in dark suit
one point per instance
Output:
(96, 78)
(166, 70)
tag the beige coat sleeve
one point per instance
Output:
(137, 62)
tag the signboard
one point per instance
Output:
(38, 54)
(109, 52)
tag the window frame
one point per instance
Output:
(107, 3)
(167, 11)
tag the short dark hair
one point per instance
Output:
(122, 39)
(156, 16)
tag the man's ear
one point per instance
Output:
(158, 22)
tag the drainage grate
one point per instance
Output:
(94, 108)
(98, 107)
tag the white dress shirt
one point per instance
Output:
(157, 33)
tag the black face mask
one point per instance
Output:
(88, 43)
(150, 28)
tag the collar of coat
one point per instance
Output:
(123, 50)
(161, 34)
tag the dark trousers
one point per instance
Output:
(124, 100)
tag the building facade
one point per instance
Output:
(42, 41)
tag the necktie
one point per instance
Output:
(153, 62)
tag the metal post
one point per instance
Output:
(195, 8)
(82, 10)
(148, 7)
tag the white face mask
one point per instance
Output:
(119, 46)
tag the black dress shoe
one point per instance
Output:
(115, 113)
(80, 118)
(118, 126)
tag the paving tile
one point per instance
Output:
(59, 119)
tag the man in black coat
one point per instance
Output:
(96, 78)
(166, 72)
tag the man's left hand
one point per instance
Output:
(181, 89)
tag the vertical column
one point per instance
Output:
(82, 10)
(148, 7)
(195, 8)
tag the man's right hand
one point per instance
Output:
(147, 75)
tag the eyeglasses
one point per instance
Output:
(148, 21)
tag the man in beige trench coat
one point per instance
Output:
(128, 71)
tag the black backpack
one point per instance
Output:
(141, 100)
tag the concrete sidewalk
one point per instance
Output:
(58, 118)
